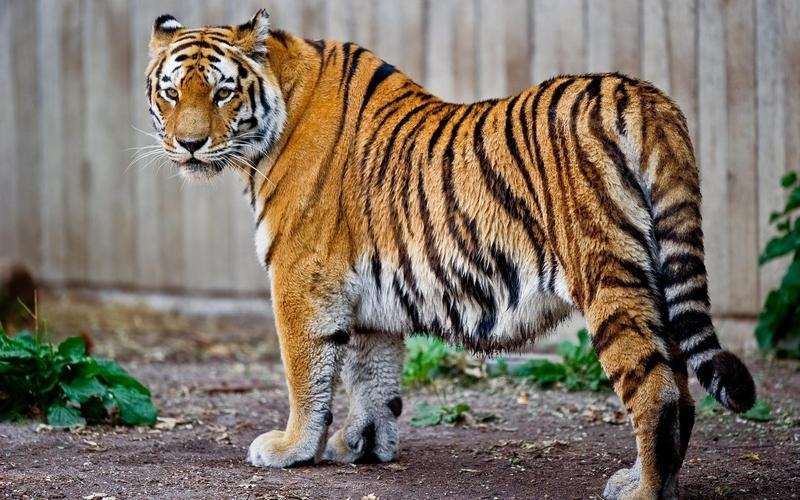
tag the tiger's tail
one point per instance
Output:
(672, 178)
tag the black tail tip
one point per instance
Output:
(735, 390)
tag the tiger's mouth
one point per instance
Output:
(196, 169)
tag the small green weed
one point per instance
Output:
(579, 369)
(426, 360)
(66, 385)
(778, 327)
(760, 412)
(429, 358)
(427, 414)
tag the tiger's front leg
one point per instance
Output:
(312, 330)
(371, 375)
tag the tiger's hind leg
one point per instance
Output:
(371, 375)
(624, 326)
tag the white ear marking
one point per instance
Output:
(167, 23)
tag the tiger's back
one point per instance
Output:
(381, 210)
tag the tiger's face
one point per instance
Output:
(214, 101)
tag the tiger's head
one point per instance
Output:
(213, 98)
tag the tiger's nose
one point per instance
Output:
(192, 145)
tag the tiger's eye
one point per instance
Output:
(171, 93)
(223, 94)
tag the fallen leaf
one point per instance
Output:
(395, 467)
(750, 456)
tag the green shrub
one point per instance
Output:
(760, 412)
(778, 327)
(579, 369)
(427, 414)
(67, 386)
(426, 360)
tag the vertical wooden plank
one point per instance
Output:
(741, 178)
(26, 120)
(401, 40)
(627, 17)
(285, 15)
(450, 55)
(712, 149)
(51, 133)
(314, 19)
(599, 36)
(516, 24)
(682, 57)
(150, 269)
(614, 34)
(439, 64)
(464, 51)
(491, 50)
(170, 201)
(771, 123)
(9, 240)
(655, 66)
(199, 220)
(77, 178)
(558, 46)
(350, 21)
(791, 67)
(112, 249)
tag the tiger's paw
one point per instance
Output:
(365, 441)
(274, 449)
(626, 484)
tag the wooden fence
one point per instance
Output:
(71, 88)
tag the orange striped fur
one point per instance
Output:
(381, 210)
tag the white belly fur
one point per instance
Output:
(534, 315)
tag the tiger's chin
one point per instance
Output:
(196, 170)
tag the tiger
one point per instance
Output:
(381, 210)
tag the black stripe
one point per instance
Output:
(409, 306)
(393, 137)
(470, 249)
(698, 292)
(273, 244)
(503, 194)
(509, 274)
(708, 343)
(376, 270)
(688, 209)
(383, 72)
(683, 267)
(667, 444)
(622, 103)
(686, 324)
(635, 379)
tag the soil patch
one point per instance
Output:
(557, 445)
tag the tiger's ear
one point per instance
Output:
(164, 29)
(252, 36)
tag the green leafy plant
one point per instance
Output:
(778, 327)
(429, 358)
(426, 359)
(579, 369)
(427, 414)
(760, 412)
(65, 385)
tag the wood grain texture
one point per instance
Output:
(712, 149)
(8, 139)
(558, 39)
(24, 26)
(771, 127)
(741, 178)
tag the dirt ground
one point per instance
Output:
(218, 385)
